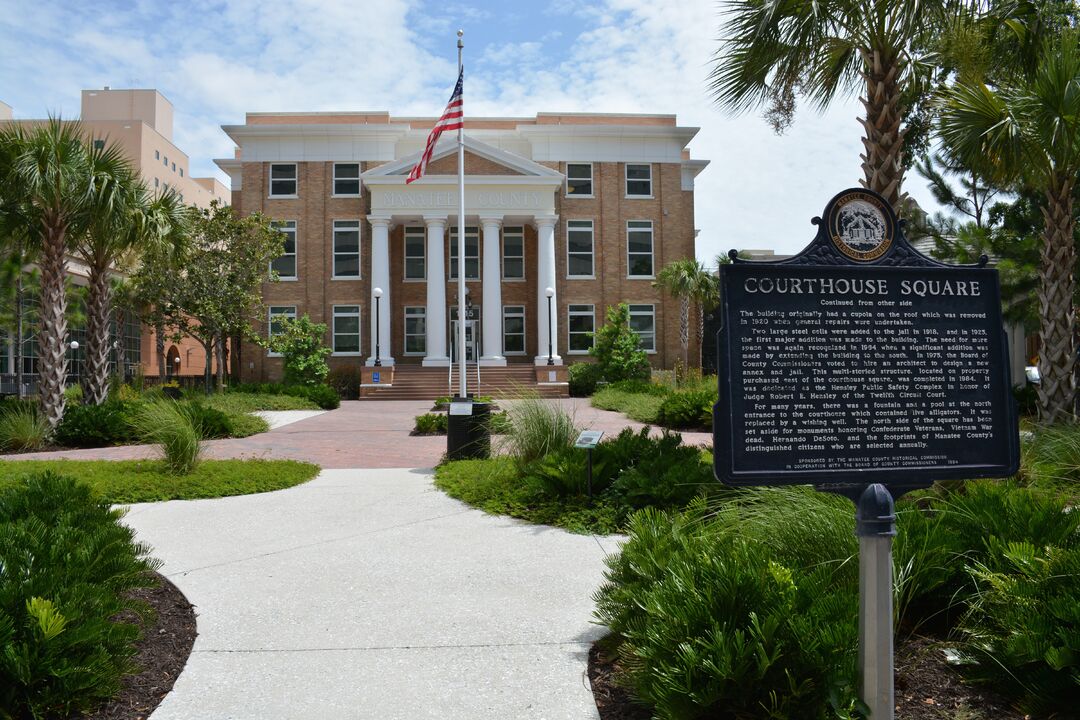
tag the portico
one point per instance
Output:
(508, 194)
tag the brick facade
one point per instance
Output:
(670, 209)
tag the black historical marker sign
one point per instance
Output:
(862, 361)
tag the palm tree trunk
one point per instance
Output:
(1057, 355)
(684, 329)
(159, 345)
(701, 333)
(97, 336)
(52, 338)
(121, 346)
(19, 333)
(883, 140)
(208, 369)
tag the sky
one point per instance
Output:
(216, 60)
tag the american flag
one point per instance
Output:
(453, 118)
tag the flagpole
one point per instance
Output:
(462, 378)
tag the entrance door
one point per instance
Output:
(471, 344)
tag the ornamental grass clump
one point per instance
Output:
(538, 428)
(66, 566)
(22, 428)
(176, 429)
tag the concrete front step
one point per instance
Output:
(426, 383)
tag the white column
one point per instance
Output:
(491, 311)
(380, 278)
(545, 278)
(435, 319)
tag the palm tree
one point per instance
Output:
(129, 219)
(706, 295)
(55, 182)
(825, 48)
(682, 280)
(1027, 132)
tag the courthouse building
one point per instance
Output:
(575, 212)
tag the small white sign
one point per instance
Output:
(461, 408)
(588, 439)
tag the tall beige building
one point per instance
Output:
(141, 123)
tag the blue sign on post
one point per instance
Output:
(375, 377)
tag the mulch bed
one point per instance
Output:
(927, 688)
(162, 653)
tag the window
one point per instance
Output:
(415, 267)
(347, 179)
(165, 161)
(4, 350)
(415, 330)
(643, 322)
(580, 326)
(579, 180)
(285, 266)
(638, 180)
(99, 144)
(157, 154)
(283, 180)
(579, 248)
(514, 330)
(513, 253)
(276, 313)
(639, 248)
(346, 248)
(472, 253)
(174, 167)
(181, 172)
(157, 182)
(346, 329)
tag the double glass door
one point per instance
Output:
(471, 340)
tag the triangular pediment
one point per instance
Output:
(480, 159)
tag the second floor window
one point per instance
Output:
(282, 179)
(472, 253)
(513, 253)
(579, 248)
(285, 266)
(346, 248)
(415, 266)
(347, 179)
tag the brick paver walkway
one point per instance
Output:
(360, 434)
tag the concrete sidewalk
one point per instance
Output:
(370, 594)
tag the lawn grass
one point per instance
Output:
(134, 481)
(637, 406)
(251, 402)
(496, 487)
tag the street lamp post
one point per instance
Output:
(550, 292)
(378, 294)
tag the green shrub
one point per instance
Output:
(345, 381)
(617, 348)
(322, 395)
(713, 622)
(170, 425)
(22, 428)
(639, 386)
(538, 428)
(300, 343)
(73, 395)
(687, 409)
(583, 378)
(93, 426)
(1023, 626)
(1027, 398)
(667, 474)
(431, 424)
(564, 473)
(210, 423)
(66, 564)
(643, 407)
